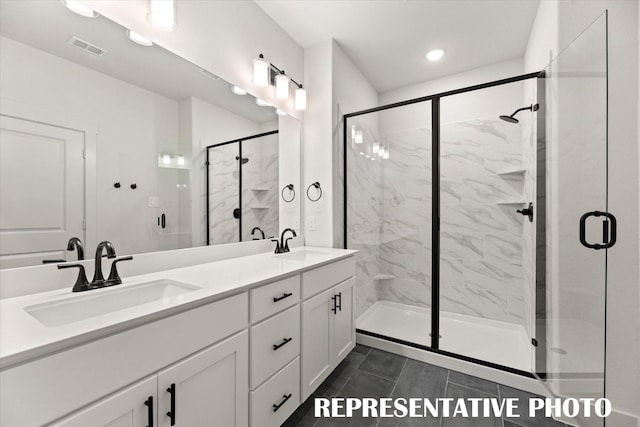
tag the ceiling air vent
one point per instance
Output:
(86, 46)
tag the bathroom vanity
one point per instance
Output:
(242, 341)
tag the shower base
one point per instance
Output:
(492, 341)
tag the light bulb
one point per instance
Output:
(181, 160)
(282, 86)
(359, 138)
(301, 99)
(260, 71)
(376, 147)
(163, 15)
(166, 159)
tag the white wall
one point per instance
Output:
(557, 24)
(222, 36)
(132, 125)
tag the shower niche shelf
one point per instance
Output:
(511, 202)
(512, 172)
(267, 207)
(381, 276)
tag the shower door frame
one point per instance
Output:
(435, 221)
(207, 184)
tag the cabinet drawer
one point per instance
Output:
(274, 343)
(322, 278)
(274, 297)
(275, 400)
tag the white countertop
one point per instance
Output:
(23, 338)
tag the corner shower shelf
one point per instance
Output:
(512, 172)
(511, 202)
(381, 276)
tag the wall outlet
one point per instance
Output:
(154, 201)
(311, 223)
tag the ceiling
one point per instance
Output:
(47, 25)
(387, 39)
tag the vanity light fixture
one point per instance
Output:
(181, 160)
(163, 14)
(265, 74)
(79, 8)
(282, 85)
(238, 91)
(137, 38)
(434, 55)
(358, 138)
(166, 159)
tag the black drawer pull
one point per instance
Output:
(339, 304)
(335, 307)
(149, 404)
(282, 297)
(285, 397)
(172, 413)
(277, 346)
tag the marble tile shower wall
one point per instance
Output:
(405, 231)
(482, 239)
(224, 178)
(260, 192)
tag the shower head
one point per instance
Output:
(512, 119)
(244, 160)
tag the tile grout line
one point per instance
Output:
(475, 389)
(395, 384)
(446, 385)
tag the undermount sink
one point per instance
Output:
(299, 256)
(97, 303)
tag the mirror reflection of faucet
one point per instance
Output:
(261, 233)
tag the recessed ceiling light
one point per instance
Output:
(435, 54)
(80, 9)
(280, 112)
(237, 90)
(262, 103)
(137, 38)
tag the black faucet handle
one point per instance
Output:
(114, 277)
(82, 284)
(279, 249)
(286, 245)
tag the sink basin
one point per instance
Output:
(97, 303)
(300, 256)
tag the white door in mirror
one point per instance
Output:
(41, 191)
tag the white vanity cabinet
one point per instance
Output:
(210, 385)
(328, 322)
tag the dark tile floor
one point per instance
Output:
(368, 372)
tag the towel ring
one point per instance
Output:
(317, 187)
(290, 188)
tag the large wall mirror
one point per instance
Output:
(106, 139)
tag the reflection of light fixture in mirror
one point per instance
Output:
(137, 38)
(434, 55)
(280, 112)
(80, 9)
(376, 148)
(262, 103)
(163, 15)
(301, 99)
(282, 86)
(358, 138)
(166, 159)
(361, 153)
(238, 91)
(181, 160)
(261, 71)
(386, 153)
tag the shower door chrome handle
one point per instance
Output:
(609, 230)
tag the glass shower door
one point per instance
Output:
(570, 321)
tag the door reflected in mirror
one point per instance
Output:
(105, 139)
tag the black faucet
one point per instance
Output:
(98, 279)
(257, 229)
(76, 243)
(284, 244)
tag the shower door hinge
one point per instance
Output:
(534, 342)
(84, 153)
(84, 224)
